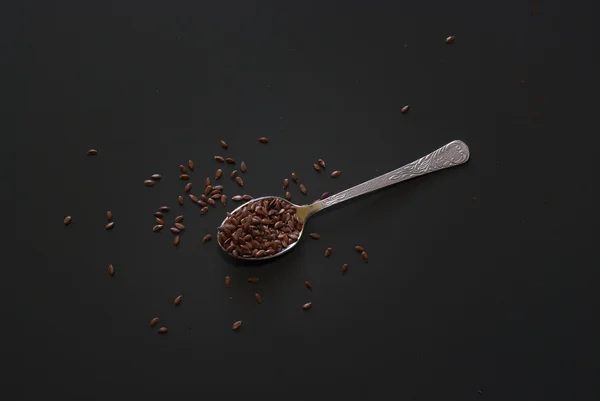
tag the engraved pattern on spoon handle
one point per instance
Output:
(449, 155)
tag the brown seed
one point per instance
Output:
(153, 322)
(182, 169)
(233, 174)
(294, 177)
(218, 188)
(179, 219)
(236, 198)
(177, 300)
(307, 305)
(253, 279)
(109, 216)
(162, 330)
(180, 199)
(176, 240)
(111, 270)
(207, 238)
(359, 249)
(336, 173)
(218, 174)
(159, 221)
(224, 199)
(164, 208)
(324, 195)
(207, 182)
(308, 285)
(191, 165)
(180, 226)
(243, 167)
(110, 225)
(314, 236)
(286, 183)
(316, 167)
(188, 187)
(288, 196)
(227, 281)
(156, 176)
(258, 298)
(204, 210)
(175, 230)
(364, 256)
(184, 177)
(321, 163)
(328, 252)
(67, 220)
(344, 267)
(92, 152)
(237, 325)
(263, 140)
(220, 159)
(404, 109)
(157, 228)
(246, 197)
(224, 144)
(158, 214)
(149, 183)
(450, 39)
(208, 189)
(303, 189)
(229, 160)
(193, 198)
(211, 202)
(201, 203)
(239, 181)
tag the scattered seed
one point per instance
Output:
(211, 202)
(286, 183)
(227, 281)
(175, 230)
(258, 298)
(201, 203)
(179, 219)
(314, 236)
(336, 173)
(188, 187)
(243, 167)
(450, 39)
(180, 199)
(149, 183)
(263, 140)
(109, 216)
(316, 167)
(253, 279)
(288, 196)
(224, 199)
(204, 210)
(359, 249)
(208, 189)
(344, 267)
(176, 240)
(164, 208)
(328, 252)
(111, 270)
(229, 160)
(246, 197)
(110, 225)
(303, 189)
(324, 195)
(237, 325)
(182, 169)
(307, 305)
(92, 152)
(236, 198)
(157, 228)
(184, 177)
(308, 285)
(153, 322)
(158, 214)
(162, 330)
(321, 163)
(239, 181)
(233, 174)
(365, 256)
(180, 226)
(218, 174)
(404, 109)
(67, 220)
(220, 159)
(294, 177)
(207, 238)
(224, 144)
(193, 198)
(177, 300)
(159, 221)
(156, 176)
(191, 165)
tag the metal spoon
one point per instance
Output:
(449, 155)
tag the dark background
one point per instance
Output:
(480, 283)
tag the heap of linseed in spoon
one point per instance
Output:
(261, 228)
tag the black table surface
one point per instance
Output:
(479, 283)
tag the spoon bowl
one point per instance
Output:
(452, 154)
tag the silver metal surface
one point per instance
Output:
(452, 154)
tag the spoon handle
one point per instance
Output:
(449, 155)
